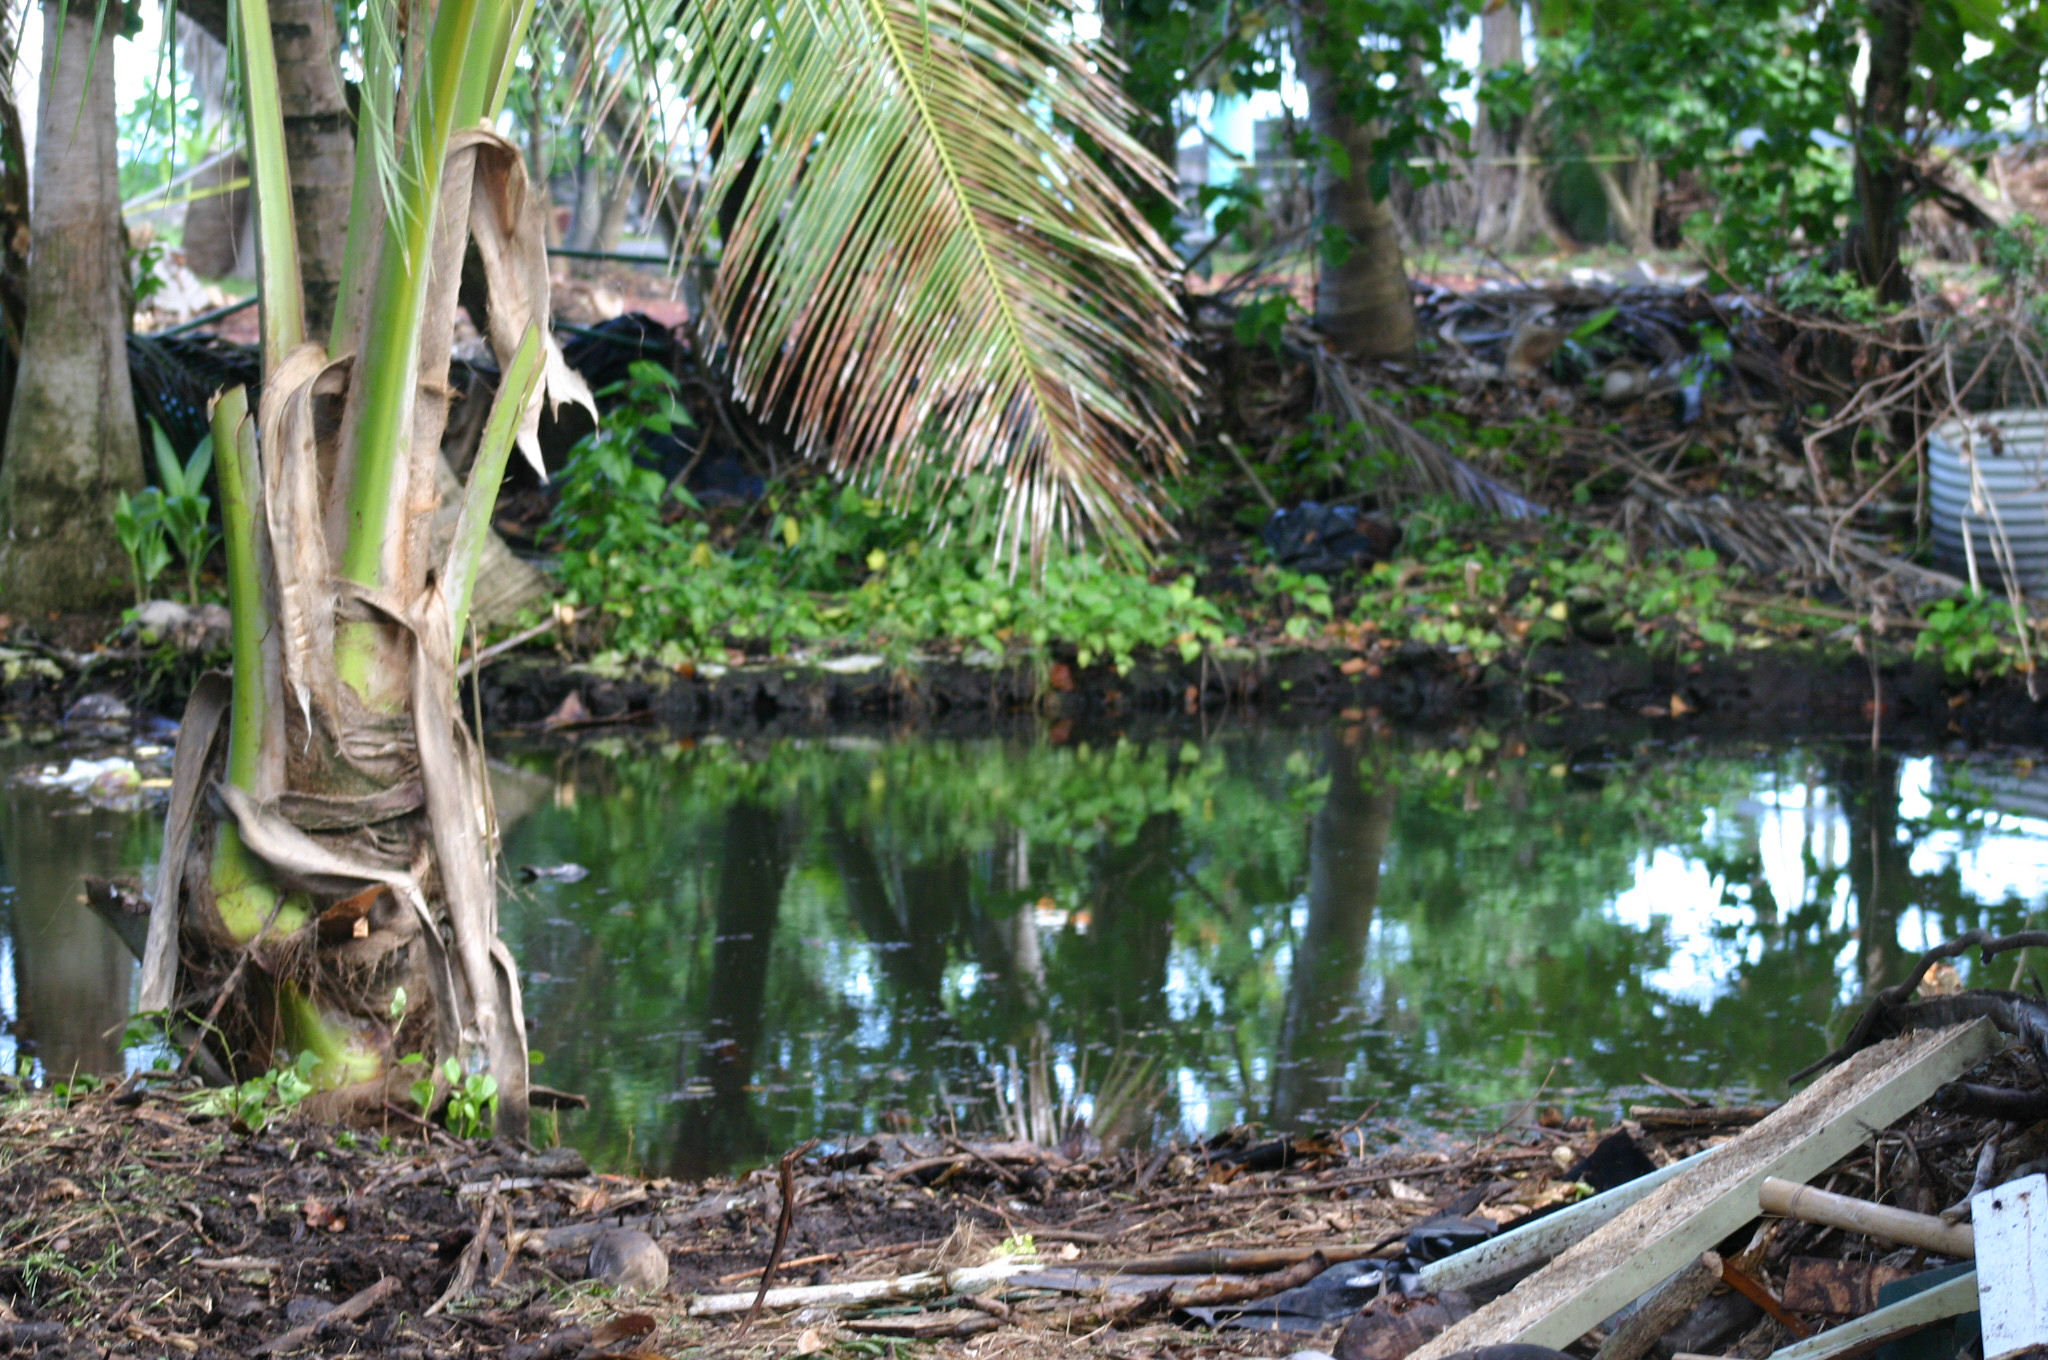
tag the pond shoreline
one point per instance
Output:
(1803, 687)
(1813, 690)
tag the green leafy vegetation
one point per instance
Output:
(260, 1101)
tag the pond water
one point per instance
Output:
(793, 939)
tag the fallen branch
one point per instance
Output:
(1210, 1293)
(898, 1289)
(472, 1257)
(1242, 1261)
(351, 1308)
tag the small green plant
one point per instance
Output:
(1261, 321)
(187, 509)
(472, 1101)
(1830, 292)
(1968, 634)
(139, 524)
(260, 1101)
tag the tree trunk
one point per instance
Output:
(320, 145)
(589, 199)
(1345, 846)
(618, 205)
(71, 441)
(1502, 222)
(1873, 244)
(1633, 223)
(14, 224)
(1362, 299)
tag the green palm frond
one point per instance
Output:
(926, 265)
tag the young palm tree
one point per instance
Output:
(926, 261)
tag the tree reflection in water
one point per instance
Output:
(782, 940)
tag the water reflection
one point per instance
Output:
(787, 940)
(69, 974)
(784, 941)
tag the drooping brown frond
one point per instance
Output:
(926, 266)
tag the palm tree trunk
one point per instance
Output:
(320, 142)
(1362, 299)
(71, 440)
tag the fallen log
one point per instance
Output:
(1662, 1309)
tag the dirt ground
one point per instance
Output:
(135, 1226)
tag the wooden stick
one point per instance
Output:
(786, 1175)
(1810, 1205)
(900, 1289)
(1234, 1261)
(736, 1276)
(1754, 1290)
(357, 1304)
(1662, 1309)
(1696, 1117)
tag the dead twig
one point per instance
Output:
(351, 1308)
(786, 1179)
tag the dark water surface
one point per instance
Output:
(781, 940)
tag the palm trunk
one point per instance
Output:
(1362, 299)
(320, 143)
(340, 875)
(71, 443)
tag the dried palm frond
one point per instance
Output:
(1790, 542)
(926, 261)
(1431, 467)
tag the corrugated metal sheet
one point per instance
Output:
(2010, 450)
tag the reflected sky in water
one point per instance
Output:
(784, 940)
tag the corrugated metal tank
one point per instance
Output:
(2010, 449)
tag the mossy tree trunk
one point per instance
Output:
(71, 442)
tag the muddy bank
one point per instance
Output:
(1796, 689)
(1801, 688)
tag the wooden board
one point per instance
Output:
(1521, 1248)
(1687, 1215)
(2012, 1264)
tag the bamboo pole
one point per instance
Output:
(1809, 1205)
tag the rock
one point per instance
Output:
(94, 712)
(628, 1259)
(301, 1311)
(202, 629)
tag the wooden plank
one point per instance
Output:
(2012, 1264)
(1689, 1214)
(1520, 1248)
(1950, 1299)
